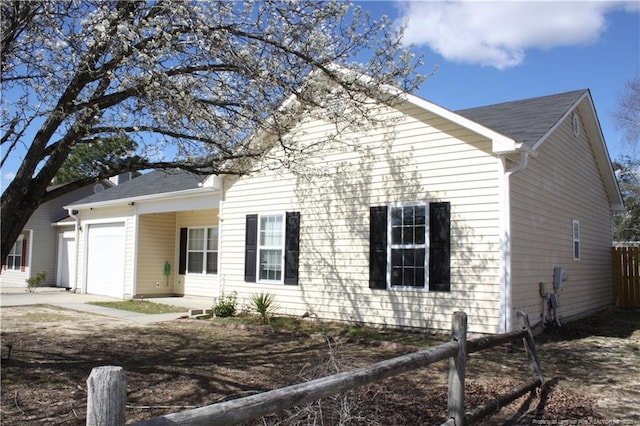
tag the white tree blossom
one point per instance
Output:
(196, 78)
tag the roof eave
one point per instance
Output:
(125, 201)
(500, 144)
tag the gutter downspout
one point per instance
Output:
(506, 323)
(74, 214)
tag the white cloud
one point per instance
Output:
(5, 179)
(8, 176)
(499, 33)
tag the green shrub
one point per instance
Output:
(225, 305)
(36, 281)
(264, 304)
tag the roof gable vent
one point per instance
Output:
(575, 124)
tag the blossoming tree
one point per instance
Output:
(189, 81)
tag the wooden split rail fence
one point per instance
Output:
(106, 398)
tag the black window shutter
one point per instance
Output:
(251, 248)
(292, 248)
(182, 262)
(378, 248)
(440, 246)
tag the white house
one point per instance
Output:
(402, 225)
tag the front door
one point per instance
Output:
(66, 260)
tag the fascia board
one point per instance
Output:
(598, 146)
(603, 159)
(152, 197)
(560, 121)
(501, 144)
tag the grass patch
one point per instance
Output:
(48, 317)
(355, 331)
(140, 306)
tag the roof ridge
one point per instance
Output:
(534, 98)
(525, 120)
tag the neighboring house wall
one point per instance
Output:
(16, 267)
(423, 158)
(196, 284)
(156, 246)
(561, 184)
(43, 252)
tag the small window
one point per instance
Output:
(202, 251)
(14, 259)
(576, 240)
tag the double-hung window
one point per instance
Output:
(14, 259)
(576, 239)
(199, 252)
(410, 246)
(272, 248)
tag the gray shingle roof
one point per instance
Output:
(525, 120)
(155, 182)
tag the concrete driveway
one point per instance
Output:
(18, 296)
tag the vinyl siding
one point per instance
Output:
(420, 158)
(43, 252)
(18, 277)
(563, 183)
(195, 284)
(156, 245)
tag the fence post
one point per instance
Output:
(455, 399)
(106, 396)
(530, 346)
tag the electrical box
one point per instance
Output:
(558, 277)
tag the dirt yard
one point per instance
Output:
(592, 371)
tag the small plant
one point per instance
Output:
(264, 304)
(36, 281)
(225, 305)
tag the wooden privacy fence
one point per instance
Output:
(107, 389)
(626, 276)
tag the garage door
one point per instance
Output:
(105, 259)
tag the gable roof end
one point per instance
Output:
(531, 121)
(527, 121)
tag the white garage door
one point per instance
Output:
(105, 259)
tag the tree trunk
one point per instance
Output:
(26, 192)
(19, 202)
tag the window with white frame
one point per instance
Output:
(202, 250)
(14, 259)
(408, 245)
(270, 247)
(576, 239)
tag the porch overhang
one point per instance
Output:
(192, 199)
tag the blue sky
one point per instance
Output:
(491, 52)
(488, 52)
